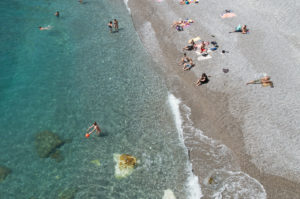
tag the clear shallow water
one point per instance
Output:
(64, 79)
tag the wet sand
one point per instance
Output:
(222, 109)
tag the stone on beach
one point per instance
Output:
(4, 172)
(46, 144)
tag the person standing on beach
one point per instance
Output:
(116, 25)
(110, 26)
(95, 127)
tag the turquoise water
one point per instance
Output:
(64, 79)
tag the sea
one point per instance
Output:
(75, 73)
(65, 78)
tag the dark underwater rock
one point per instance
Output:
(68, 193)
(4, 172)
(57, 156)
(46, 143)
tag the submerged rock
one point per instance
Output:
(46, 143)
(57, 156)
(168, 194)
(4, 172)
(68, 193)
(96, 162)
(124, 165)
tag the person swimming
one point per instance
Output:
(116, 25)
(94, 127)
(45, 28)
(110, 26)
(57, 14)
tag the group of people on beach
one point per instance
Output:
(179, 25)
(187, 62)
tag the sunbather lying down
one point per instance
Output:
(179, 25)
(243, 29)
(182, 2)
(192, 46)
(265, 81)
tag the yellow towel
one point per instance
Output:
(195, 39)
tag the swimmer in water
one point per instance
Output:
(57, 14)
(45, 28)
(95, 127)
(110, 26)
(116, 25)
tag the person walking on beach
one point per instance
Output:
(116, 25)
(94, 127)
(110, 26)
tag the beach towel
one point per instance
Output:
(195, 39)
(228, 15)
(200, 58)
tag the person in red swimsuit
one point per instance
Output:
(95, 127)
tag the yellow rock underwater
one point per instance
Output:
(124, 165)
(96, 162)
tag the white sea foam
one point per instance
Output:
(168, 194)
(126, 3)
(192, 181)
(226, 182)
(239, 185)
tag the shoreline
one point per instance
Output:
(210, 109)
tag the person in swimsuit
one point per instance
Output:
(190, 47)
(95, 127)
(110, 26)
(116, 25)
(188, 63)
(203, 80)
(265, 81)
(202, 47)
(244, 29)
(184, 59)
(45, 28)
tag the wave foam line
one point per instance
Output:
(126, 3)
(192, 181)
